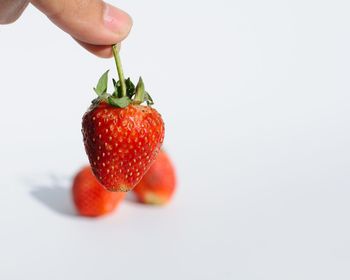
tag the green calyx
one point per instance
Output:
(125, 92)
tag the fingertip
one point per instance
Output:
(117, 21)
(10, 11)
(91, 21)
(100, 51)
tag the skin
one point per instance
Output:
(94, 24)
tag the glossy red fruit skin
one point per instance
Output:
(89, 196)
(121, 143)
(159, 183)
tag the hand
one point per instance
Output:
(94, 24)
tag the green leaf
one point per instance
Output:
(96, 101)
(121, 102)
(148, 99)
(102, 84)
(115, 84)
(102, 97)
(130, 88)
(117, 88)
(140, 92)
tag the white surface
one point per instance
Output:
(255, 96)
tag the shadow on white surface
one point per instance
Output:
(55, 195)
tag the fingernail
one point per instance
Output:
(117, 20)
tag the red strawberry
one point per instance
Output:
(90, 198)
(158, 185)
(122, 137)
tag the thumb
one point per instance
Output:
(95, 24)
(10, 10)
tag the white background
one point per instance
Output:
(255, 96)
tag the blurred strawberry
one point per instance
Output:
(158, 185)
(90, 198)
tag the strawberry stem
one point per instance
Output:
(118, 63)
